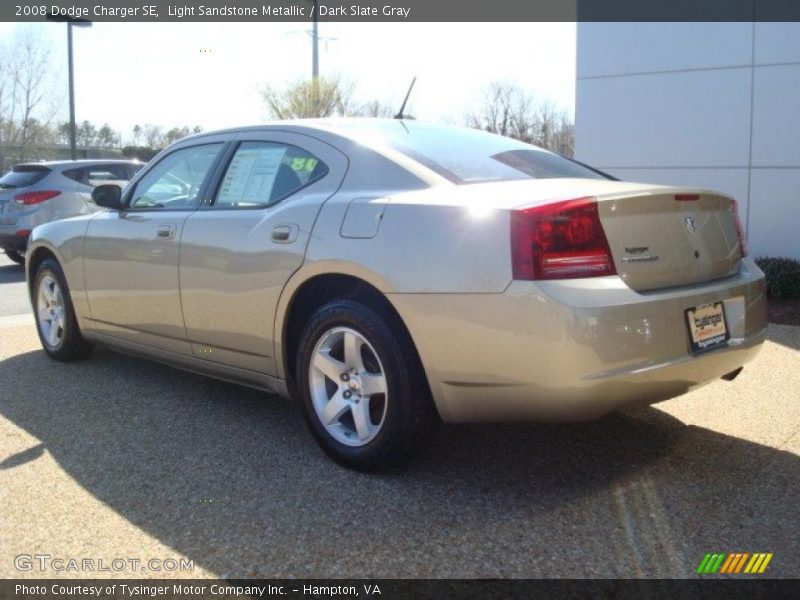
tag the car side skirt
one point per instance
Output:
(252, 379)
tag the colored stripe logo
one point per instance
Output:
(734, 563)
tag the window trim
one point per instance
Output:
(201, 193)
(222, 168)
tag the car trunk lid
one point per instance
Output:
(671, 237)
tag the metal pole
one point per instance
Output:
(315, 44)
(72, 146)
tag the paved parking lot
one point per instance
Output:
(117, 457)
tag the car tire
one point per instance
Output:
(364, 392)
(17, 257)
(55, 317)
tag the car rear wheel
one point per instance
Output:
(365, 395)
(55, 318)
(17, 257)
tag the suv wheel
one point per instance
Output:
(17, 257)
(365, 395)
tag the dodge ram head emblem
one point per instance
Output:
(689, 224)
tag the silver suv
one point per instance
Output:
(40, 192)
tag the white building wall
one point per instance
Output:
(709, 104)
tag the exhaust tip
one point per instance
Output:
(733, 374)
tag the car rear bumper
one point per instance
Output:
(575, 349)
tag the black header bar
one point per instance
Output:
(403, 10)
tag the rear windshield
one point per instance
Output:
(465, 155)
(22, 176)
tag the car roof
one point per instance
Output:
(347, 127)
(78, 163)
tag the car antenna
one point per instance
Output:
(399, 115)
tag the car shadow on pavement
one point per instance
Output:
(785, 335)
(12, 274)
(230, 478)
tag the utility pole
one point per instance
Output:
(315, 42)
(73, 146)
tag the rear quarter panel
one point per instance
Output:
(425, 243)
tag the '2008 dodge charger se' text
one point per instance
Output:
(391, 273)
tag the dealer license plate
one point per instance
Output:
(707, 328)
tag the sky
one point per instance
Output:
(176, 74)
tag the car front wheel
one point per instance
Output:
(55, 317)
(364, 391)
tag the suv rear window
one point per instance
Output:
(22, 176)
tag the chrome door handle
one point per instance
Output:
(285, 234)
(166, 231)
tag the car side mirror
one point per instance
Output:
(108, 195)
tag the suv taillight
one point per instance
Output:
(739, 228)
(28, 198)
(563, 240)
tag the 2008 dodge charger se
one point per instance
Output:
(391, 273)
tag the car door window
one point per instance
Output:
(263, 173)
(175, 181)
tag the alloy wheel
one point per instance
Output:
(50, 311)
(348, 386)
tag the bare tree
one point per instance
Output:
(508, 110)
(86, 134)
(107, 137)
(175, 134)
(374, 109)
(153, 137)
(319, 97)
(28, 97)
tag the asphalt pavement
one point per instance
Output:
(13, 294)
(116, 457)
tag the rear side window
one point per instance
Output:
(263, 173)
(96, 175)
(74, 174)
(102, 173)
(22, 176)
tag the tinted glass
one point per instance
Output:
(263, 173)
(466, 155)
(175, 181)
(74, 174)
(95, 175)
(103, 173)
(22, 176)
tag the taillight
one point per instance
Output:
(739, 228)
(28, 198)
(563, 240)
